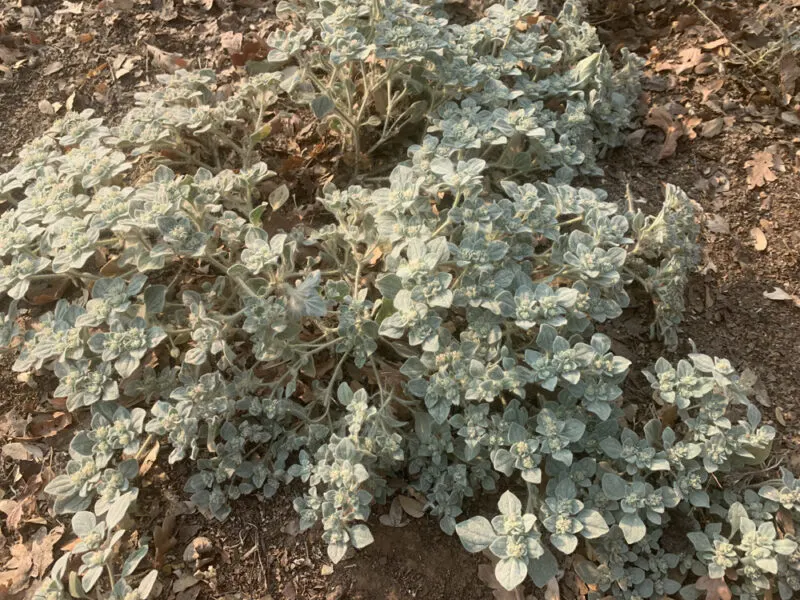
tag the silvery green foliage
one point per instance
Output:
(465, 293)
(511, 536)
(537, 95)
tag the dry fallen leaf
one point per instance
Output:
(230, 41)
(717, 224)
(551, 591)
(149, 459)
(395, 516)
(412, 506)
(688, 59)
(42, 544)
(47, 425)
(760, 168)
(715, 44)
(22, 451)
(715, 589)
(790, 73)
(713, 127)
(15, 576)
(124, 64)
(674, 129)
(759, 239)
(779, 416)
(164, 539)
(167, 61)
(53, 67)
(710, 87)
(781, 294)
(184, 583)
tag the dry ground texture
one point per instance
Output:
(719, 117)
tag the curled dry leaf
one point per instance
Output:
(688, 59)
(198, 552)
(674, 129)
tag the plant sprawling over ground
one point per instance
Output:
(439, 330)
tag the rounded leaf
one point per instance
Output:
(475, 534)
(510, 572)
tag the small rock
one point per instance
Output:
(336, 593)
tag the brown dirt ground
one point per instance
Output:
(255, 554)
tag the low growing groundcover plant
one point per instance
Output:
(476, 275)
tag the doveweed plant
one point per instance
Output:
(439, 330)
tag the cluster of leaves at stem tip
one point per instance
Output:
(440, 328)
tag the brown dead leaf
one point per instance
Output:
(47, 425)
(53, 67)
(668, 416)
(760, 168)
(785, 521)
(551, 591)
(230, 41)
(715, 589)
(674, 129)
(16, 571)
(712, 128)
(412, 506)
(150, 459)
(15, 511)
(781, 294)
(790, 73)
(759, 239)
(717, 224)
(167, 61)
(124, 64)
(42, 544)
(710, 87)
(689, 59)
(779, 416)
(164, 539)
(22, 451)
(715, 44)
(50, 293)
